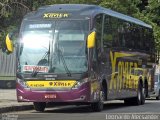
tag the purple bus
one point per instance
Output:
(83, 55)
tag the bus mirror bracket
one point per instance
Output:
(91, 39)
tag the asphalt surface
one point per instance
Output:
(85, 113)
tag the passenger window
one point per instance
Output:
(111, 35)
(114, 32)
(107, 36)
(98, 26)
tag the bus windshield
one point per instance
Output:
(54, 46)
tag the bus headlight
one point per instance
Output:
(79, 83)
(22, 83)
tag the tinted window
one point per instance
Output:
(156, 78)
(111, 35)
(99, 29)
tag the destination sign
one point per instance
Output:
(30, 68)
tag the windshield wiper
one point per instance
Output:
(64, 62)
(41, 62)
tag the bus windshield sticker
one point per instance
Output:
(55, 15)
(30, 68)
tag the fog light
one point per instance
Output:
(20, 97)
(83, 97)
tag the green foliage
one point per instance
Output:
(154, 11)
(128, 7)
(11, 14)
(38, 3)
(152, 16)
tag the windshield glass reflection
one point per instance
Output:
(58, 49)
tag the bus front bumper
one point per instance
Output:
(81, 94)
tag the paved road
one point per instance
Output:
(84, 112)
(8, 98)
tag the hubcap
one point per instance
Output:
(139, 95)
(143, 91)
(102, 96)
(101, 99)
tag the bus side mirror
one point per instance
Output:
(9, 43)
(91, 40)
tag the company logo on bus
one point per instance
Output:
(50, 83)
(55, 15)
(121, 69)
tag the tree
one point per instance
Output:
(152, 15)
(128, 7)
(38, 3)
(11, 14)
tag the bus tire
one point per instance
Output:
(140, 99)
(105, 90)
(39, 106)
(98, 106)
(146, 90)
(144, 93)
(158, 97)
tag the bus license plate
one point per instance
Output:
(50, 96)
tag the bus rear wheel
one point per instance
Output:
(98, 106)
(140, 99)
(39, 106)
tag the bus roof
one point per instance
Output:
(83, 9)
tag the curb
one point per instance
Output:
(16, 108)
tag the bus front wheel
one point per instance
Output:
(98, 106)
(39, 106)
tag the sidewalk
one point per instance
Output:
(8, 102)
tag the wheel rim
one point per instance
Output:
(144, 92)
(101, 99)
(102, 96)
(139, 95)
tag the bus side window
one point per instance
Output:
(138, 45)
(135, 38)
(111, 36)
(122, 33)
(107, 36)
(127, 36)
(147, 40)
(141, 39)
(151, 39)
(98, 26)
